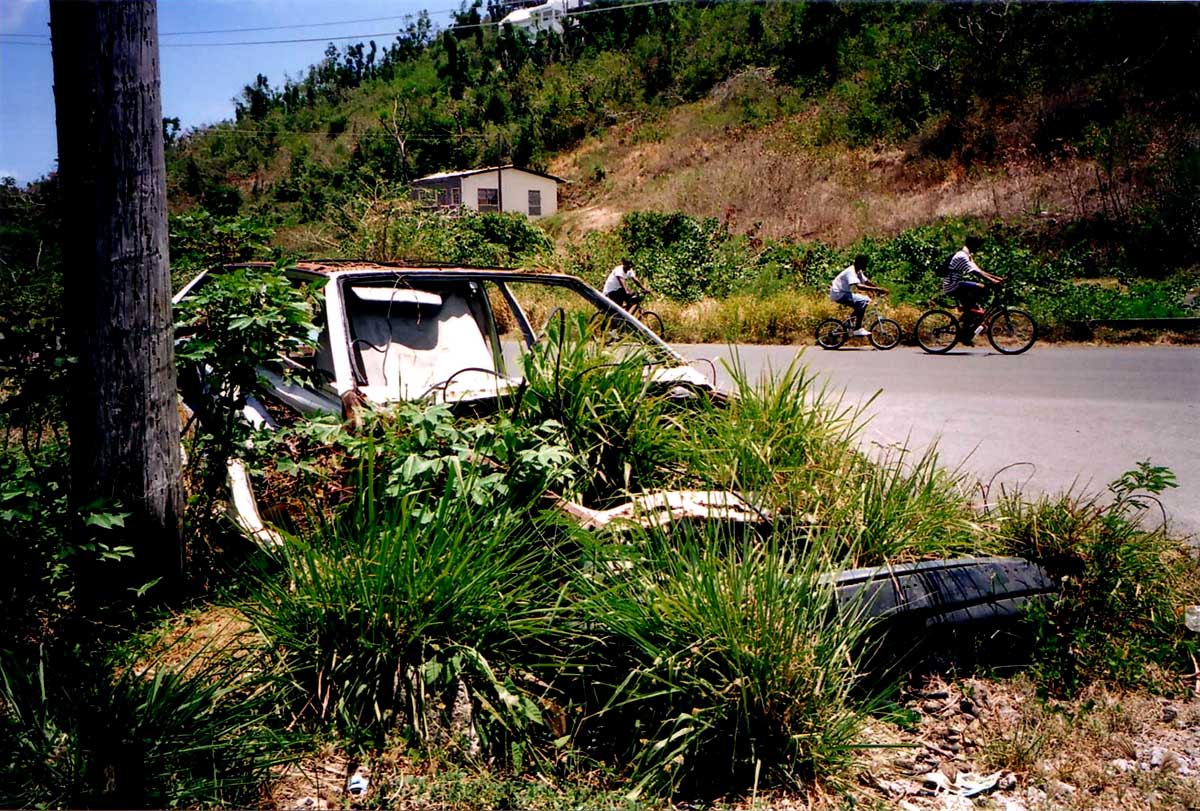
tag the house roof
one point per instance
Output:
(468, 172)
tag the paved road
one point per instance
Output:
(1075, 417)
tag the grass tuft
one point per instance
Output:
(389, 616)
(726, 663)
(1123, 584)
(185, 731)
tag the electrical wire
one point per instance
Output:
(340, 38)
(302, 25)
(433, 137)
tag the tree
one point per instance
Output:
(123, 422)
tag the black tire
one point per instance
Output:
(885, 334)
(831, 334)
(652, 320)
(961, 592)
(1012, 332)
(937, 331)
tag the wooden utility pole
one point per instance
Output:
(123, 421)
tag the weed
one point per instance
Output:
(1122, 584)
(893, 508)
(1020, 744)
(389, 616)
(725, 661)
(84, 732)
(772, 439)
(623, 429)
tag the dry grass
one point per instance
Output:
(785, 318)
(1095, 752)
(767, 180)
(195, 638)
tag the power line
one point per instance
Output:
(462, 27)
(433, 137)
(278, 41)
(301, 25)
(272, 27)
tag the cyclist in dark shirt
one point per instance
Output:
(961, 282)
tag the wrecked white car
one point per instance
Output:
(456, 336)
(459, 337)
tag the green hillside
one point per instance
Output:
(774, 140)
(1071, 133)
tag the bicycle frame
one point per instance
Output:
(872, 315)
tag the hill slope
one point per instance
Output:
(770, 180)
(782, 120)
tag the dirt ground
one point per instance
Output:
(769, 182)
(994, 744)
(956, 746)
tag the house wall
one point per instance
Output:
(515, 191)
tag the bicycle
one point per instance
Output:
(602, 321)
(885, 333)
(1009, 330)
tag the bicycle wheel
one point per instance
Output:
(1012, 332)
(885, 333)
(937, 331)
(831, 334)
(652, 320)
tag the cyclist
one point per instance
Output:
(965, 289)
(842, 291)
(617, 285)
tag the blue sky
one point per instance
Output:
(198, 83)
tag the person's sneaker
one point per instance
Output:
(861, 333)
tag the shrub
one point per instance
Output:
(200, 241)
(232, 324)
(1123, 585)
(178, 729)
(415, 450)
(681, 257)
(729, 670)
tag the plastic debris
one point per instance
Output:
(358, 784)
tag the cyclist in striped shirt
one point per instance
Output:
(961, 282)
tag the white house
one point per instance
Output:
(494, 188)
(547, 16)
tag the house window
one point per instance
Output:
(535, 203)
(489, 199)
(456, 195)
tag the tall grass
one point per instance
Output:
(790, 443)
(725, 662)
(385, 616)
(775, 439)
(1123, 583)
(624, 430)
(892, 508)
(119, 733)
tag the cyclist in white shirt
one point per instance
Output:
(616, 286)
(842, 291)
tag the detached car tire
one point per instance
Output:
(957, 593)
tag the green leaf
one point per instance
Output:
(106, 520)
